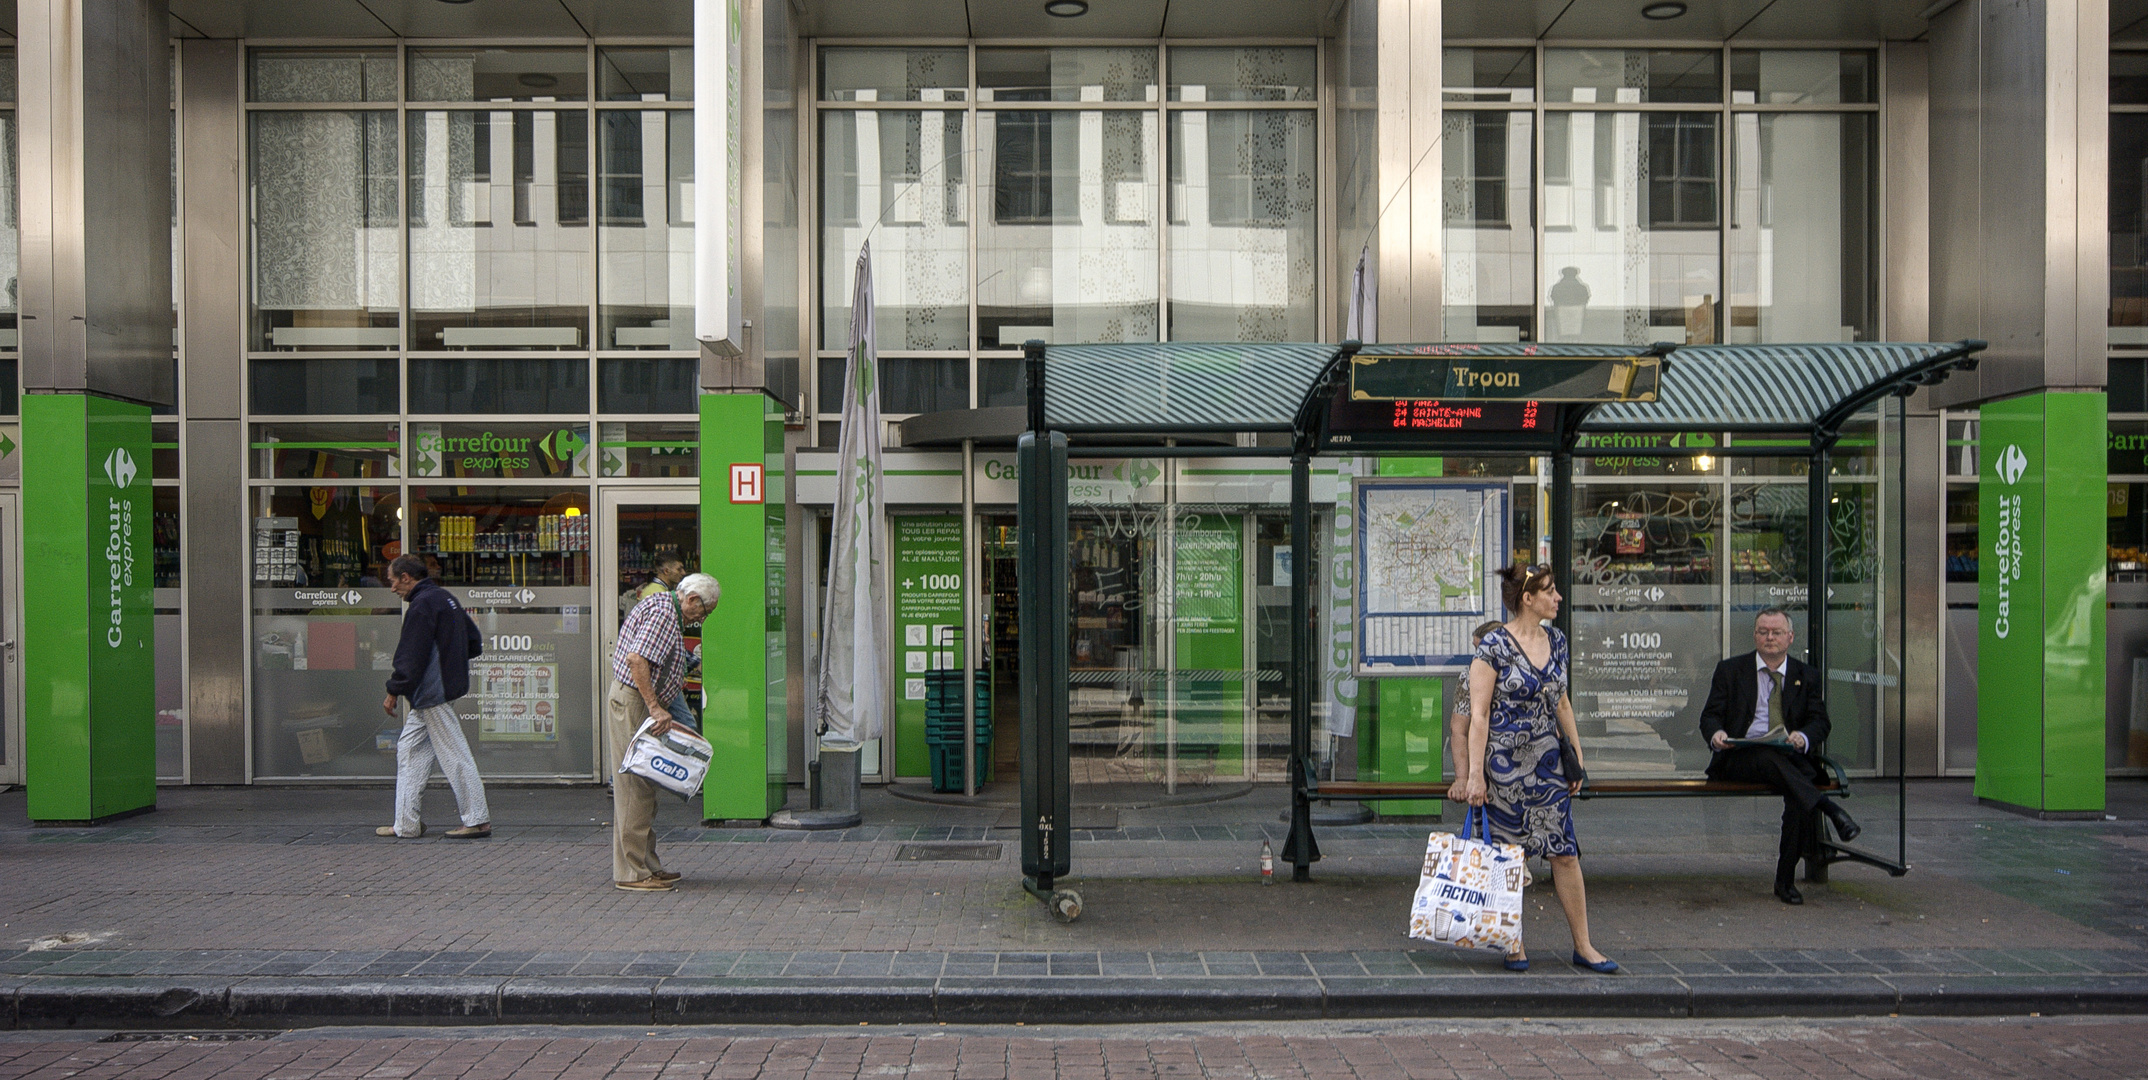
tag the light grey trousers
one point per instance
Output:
(429, 734)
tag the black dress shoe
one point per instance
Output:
(1846, 827)
(1788, 894)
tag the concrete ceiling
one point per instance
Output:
(429, 18)
(1704, 20)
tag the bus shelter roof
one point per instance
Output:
(1184, 388)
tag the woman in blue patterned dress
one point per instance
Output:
(1518, 710)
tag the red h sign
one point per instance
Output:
(746, 483)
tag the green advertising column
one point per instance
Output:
(89, 668)
(927, 584)
(1208, 619)
(743, 662)
(2040, 606)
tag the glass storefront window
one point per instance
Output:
(1489, 74)
(1067, 74)
(509, 451)
(164, 451)
(1962, 548)
(659, 385)
(324, 386)
(2129, 227)
(326, 269)
(1803, 212)
(487, 385)
(2128, 379)
(499, 229)
(907, 385)
(499, 75)
(326, 451)
(894, 74)
(165, 626)
(1489, 210)
(1243, 225)
(898, 177)
(645, 233)
(1621, 76)
(10, 222)
(1632, 214)
(1066, 245)
(649, 450)
(320, 75)
(1804, 77)
(1272, 73)
(629, 74)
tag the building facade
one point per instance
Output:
(433, 283)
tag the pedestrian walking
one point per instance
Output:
(1519, 712)
(432, 669)
(648, 677)
(1766, 720)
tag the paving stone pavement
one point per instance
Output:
(2081, 1049)
(222, 892)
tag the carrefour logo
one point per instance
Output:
(2012, 463)
(119, 468)
(487, 597)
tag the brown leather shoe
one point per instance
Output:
(666, 875)
(647, 884)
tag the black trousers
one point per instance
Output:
(1790, 774)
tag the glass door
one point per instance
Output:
(651, 540)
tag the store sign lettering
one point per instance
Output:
(327, 597)
(2006, 545)
(488, 451)
(119, 468)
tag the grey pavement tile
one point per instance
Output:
(1164, 970)
(1075, 964)
(864, 964)
(1283, 964)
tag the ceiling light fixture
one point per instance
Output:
(1659, 12)
(454, 1)
(1066, 9)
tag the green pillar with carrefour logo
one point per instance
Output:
(2040, 609)
(743, 659)
(89, 663)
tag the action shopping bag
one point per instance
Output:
(1470, 893)
(677, 761)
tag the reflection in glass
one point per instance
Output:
(323, 75)
(326, 451)
(2129, 229)
(1633, 75)
(499, 229)
(1067, 250)
(10, 232)
(1245, 73)
(1244, 225)
(323, 386)
(667, 384)
(649, 449)
(1803, 266)
(1803, 77)
(1490, 239)
(1475, 74)
(645, 235)
(325, 236)
(1631, 227)
(898, 177)
(1067, 74)
(167, 632)
(499, 75)
(626, 74)
(482, 385)
(894, 74)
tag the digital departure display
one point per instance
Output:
(1436, 417)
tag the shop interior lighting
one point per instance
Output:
(1704, 463)
(1066, 9)
(1659, 12)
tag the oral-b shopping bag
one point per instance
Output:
(1470, 894)
(677, 761)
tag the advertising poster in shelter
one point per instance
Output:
(1428, 553)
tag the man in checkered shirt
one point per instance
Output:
(648, 674)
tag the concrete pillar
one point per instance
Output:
(96, 295)
(1408, 189)
(2019, 258)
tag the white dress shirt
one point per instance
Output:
(1759, 726)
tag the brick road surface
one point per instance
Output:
(1869, 1050)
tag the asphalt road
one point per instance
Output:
(1533, 1049)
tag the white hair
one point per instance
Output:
(703, 586)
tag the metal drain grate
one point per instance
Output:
(190, 1036)
(948, 853)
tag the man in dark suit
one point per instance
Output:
(1752, 694)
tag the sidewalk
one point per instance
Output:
(278, 907)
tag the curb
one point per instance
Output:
(47, 1002)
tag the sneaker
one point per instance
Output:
(470, 832)
(389, 832)
(647, 884)
(665, 875)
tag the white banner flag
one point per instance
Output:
(853, 691)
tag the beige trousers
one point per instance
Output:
(633, 798)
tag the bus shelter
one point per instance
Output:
(1779, 411)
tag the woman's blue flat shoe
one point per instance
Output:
(1517, 965)
(1607, 967)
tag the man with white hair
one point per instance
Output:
(648, 675)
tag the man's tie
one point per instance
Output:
(1775, 699)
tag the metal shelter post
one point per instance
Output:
(1041, 525)
(1819, 541)
(1562, 534)
(1299, 847)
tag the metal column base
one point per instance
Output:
(839, 796)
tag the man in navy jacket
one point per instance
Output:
(432, 669)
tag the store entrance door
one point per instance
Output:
(651, 537)
(10, 651)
